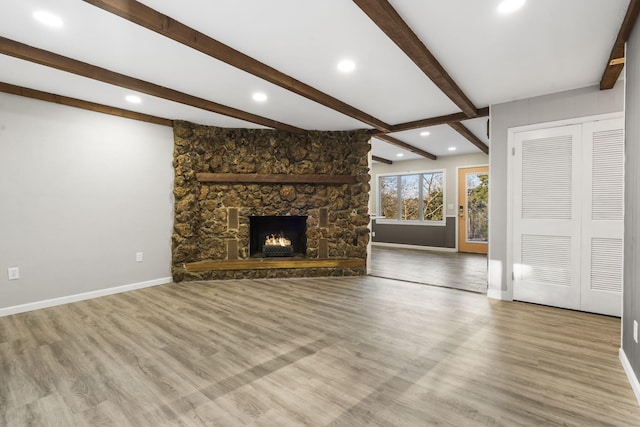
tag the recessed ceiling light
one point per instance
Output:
(399, 155)
(133, 99)
(425, 133)
(48, 19)
(452, 148)
(508, 6)
(346, 66)
(259, 97)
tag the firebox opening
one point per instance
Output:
(287, 236)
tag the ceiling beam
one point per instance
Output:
(435, 121)
(153, 20)
(85, 105)
(616, 58)
(381, 160)
(462, 130)
(404, 145)
(390, 22)
(53, 60)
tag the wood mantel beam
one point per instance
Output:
(615, 64)
(390, 22)
(462, 130)
(408, 147)
(153, 20)
(256, 178)
(53, 60)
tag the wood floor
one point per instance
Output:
(450, 269)
(316, 352)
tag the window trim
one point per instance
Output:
(380, 220)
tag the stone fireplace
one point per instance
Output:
(226, 178)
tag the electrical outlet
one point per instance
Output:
(139, 256)
(13, 273)
(635, 331)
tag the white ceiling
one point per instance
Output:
(547, 46)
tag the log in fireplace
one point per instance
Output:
(271, 236)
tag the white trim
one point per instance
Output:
(423, 248)
(499, 294)
(410, 172)
(567, 122)
(7, 311)
(633, 380)
(442, 223)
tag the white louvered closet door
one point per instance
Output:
(546, 217)
(603, 217)
(568, 208)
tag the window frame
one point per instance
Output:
(398, 220)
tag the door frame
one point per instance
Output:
(458, 201)
(458, 184)
(508, 268)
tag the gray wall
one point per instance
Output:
(81, 193)
(418, 235)
(576, 103)
(631, 306)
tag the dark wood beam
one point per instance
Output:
(53, 60)
(381, 160)
(235, 178)
(85, 105)
(435, 121)
(153, 20)
(462, 130)
(615, 64)
(401, 144)
(390, 22)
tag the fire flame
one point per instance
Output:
(278, 240)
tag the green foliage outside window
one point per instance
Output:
(477, 207)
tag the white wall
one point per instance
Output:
(576, 103)
(80, 194)
(448, 163)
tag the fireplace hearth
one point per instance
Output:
(278, 236)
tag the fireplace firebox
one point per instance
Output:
(277, 236)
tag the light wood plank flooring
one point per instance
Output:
(450, 269)
(316, 352)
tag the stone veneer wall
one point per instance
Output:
(201, 228)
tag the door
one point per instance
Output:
(473, 209)
(568, 197)
(546, 219)
(603, 217)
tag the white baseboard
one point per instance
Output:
(498, 294)
(423, 248)
(633, 380)
(7, 311)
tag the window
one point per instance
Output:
(413, 197)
